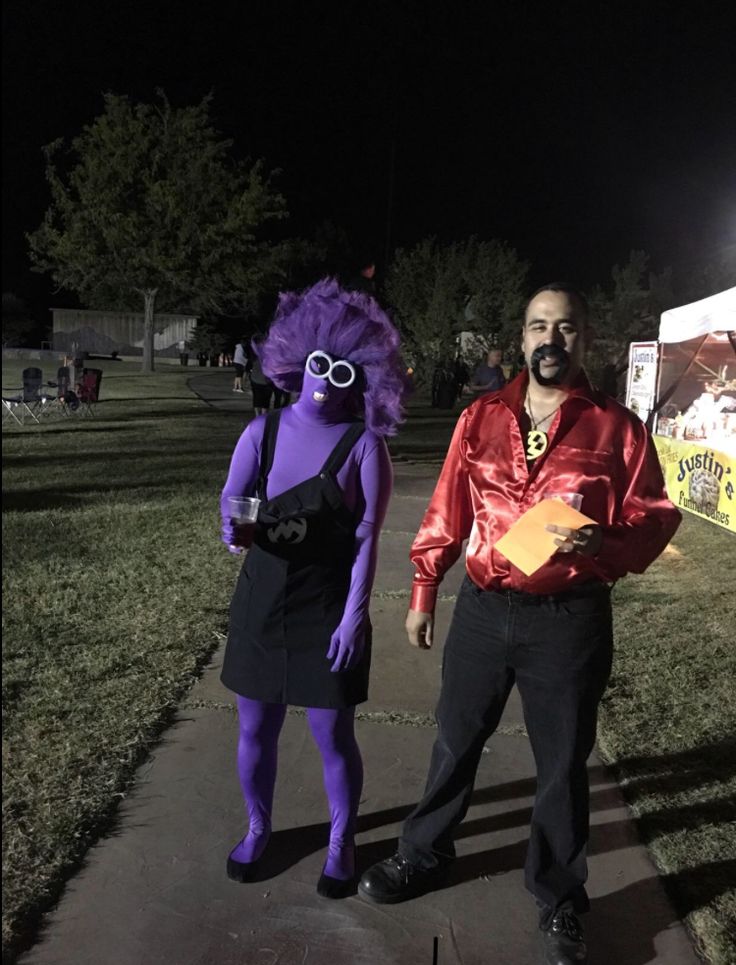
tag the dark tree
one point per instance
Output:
(438, 291)
(148, 209)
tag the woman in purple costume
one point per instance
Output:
(299, 627)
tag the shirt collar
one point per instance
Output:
(513, 394)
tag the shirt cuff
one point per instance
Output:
(423, 597)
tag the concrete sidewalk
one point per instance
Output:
(155, 892)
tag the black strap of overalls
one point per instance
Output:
(268, 448)
(342, 450)
(332, 465)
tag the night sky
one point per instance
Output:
(574, 132)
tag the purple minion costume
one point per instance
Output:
(299, 627)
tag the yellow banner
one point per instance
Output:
(699, 479)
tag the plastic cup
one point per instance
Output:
(243, 509)
(572, 499)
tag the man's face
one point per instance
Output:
(553, 338)
(494, 357)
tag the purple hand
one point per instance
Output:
(346, 646)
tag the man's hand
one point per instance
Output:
(586, 540)
(419, 627)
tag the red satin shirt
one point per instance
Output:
(596, 447)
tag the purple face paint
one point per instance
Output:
(322, 400)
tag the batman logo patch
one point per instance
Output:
(288, 531)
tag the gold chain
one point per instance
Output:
(538, 422)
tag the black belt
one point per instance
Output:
(538, 599)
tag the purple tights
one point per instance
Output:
(342, 768)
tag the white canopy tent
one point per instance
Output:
(694, 415)
(717, 313)
(696, 367)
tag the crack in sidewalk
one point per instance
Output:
(395, 718)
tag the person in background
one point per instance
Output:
(261, 386)
(365, 278)
(550, 632)
(444, 387)
(519, 365)
(300, 631)
(240, 361)
(462, 375)
(489, 377)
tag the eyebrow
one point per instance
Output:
(558, 321)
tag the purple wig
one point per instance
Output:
(349, 325)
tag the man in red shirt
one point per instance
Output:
(549, 633)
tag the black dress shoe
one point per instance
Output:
(563, 941)
(242, 871)
(396, 879)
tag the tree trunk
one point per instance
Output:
(149, 299)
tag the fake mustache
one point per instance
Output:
(551, 353)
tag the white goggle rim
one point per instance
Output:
(332, 363)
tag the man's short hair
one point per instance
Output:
(571, 290)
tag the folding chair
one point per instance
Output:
(29, 402)
(88, 391)
(40, 401)
(13, 409)
(63, 381)
(66, 401)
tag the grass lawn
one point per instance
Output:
(117, 586)
(668, 725)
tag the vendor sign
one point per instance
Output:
(700, 479)
(641, 386)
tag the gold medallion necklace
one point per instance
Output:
(536, 439)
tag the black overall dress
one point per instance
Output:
(291, 593)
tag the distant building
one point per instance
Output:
(102, 333)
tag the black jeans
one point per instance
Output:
(558, 651)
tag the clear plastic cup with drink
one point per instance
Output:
(244, 515)
(572, 499)
(243, 509)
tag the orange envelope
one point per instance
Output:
(527, 544)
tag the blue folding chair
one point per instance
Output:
(29, 402)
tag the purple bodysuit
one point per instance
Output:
(308, 433)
